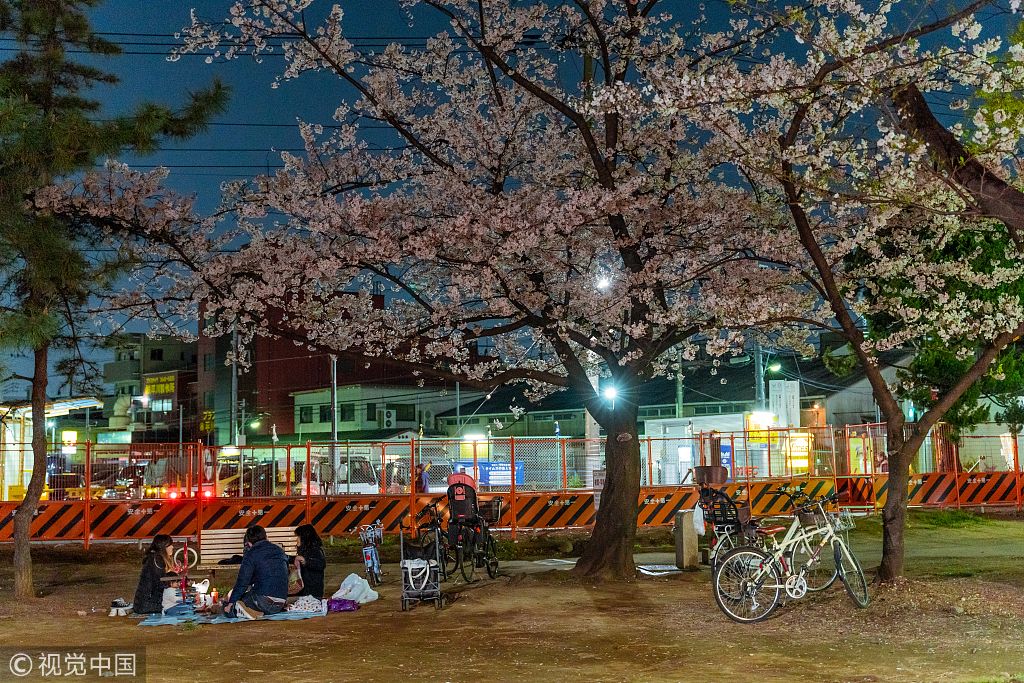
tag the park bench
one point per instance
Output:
(220, 544)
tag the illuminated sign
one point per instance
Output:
(160, 384)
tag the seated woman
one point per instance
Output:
(310, 560)
(157, 570)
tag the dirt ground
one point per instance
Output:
(959, 616)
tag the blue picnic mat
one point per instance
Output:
(202, 618)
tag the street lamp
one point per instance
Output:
(610, 393)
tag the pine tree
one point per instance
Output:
(49, 130)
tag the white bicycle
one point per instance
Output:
(749, 581)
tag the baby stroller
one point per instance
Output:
(421, 578)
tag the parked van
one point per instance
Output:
(396, 475)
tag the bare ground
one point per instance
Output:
(958, 617)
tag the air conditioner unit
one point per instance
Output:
(389, 419)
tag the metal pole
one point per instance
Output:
(458, 411)
(234, 395)
(758, 376)
(512, 488)
(87, 513)
(335, 459)
(565, 473)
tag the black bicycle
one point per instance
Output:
(432, 531)
(475, 548)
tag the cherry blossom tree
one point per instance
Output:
(885, 202)
(509, 213)
(775, 171)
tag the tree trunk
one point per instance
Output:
(23, 587)
(609, 552)
(894, 514)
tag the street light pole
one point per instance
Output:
(758, 377)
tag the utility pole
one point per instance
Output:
(234, 387)
(759, 376)
(679, 383)
(335, 457)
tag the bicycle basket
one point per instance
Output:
(811, 518)
(371, 535)
(490, 510)
(843, 520)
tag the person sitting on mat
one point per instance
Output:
(310, 561)
(158, 568)
(262, 584)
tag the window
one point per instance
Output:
(160, 405)
(325, 413)
(208, 400)
(209, 361)
(544, 417)
(662, 411)
(404, 412)
(371, 412)
(707, 410)
(347, 412)
(306, 415)
(156, 354)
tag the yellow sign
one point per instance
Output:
(758, 428)
(69, 437)
(160, 384)
(798, 450)
(206, 424)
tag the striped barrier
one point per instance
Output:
(52, 521)
(860, 490)
(121, 520)
(340, 516)
(879, 490)
(239, 514)
(658, 506)
(108, 520)
(933, 489)
(554, 510)
(987, 488)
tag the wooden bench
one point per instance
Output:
(221, 544)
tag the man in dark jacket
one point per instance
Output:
(262, 584)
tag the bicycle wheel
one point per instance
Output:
(819, 575)
(466, 559)
(193, 556)
(372, 562)
(747, 585)
(447, 563)
(491, 556)
(852, 574)
(722, 546)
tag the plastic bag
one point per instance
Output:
(294, 581)
(341, 605)
(355, 588)
(698, 520)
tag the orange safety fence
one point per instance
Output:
(135, 491)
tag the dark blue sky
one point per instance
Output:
(259, 118)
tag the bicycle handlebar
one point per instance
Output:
(834, 497)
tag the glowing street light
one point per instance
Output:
(604, 283)
(610, 393)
